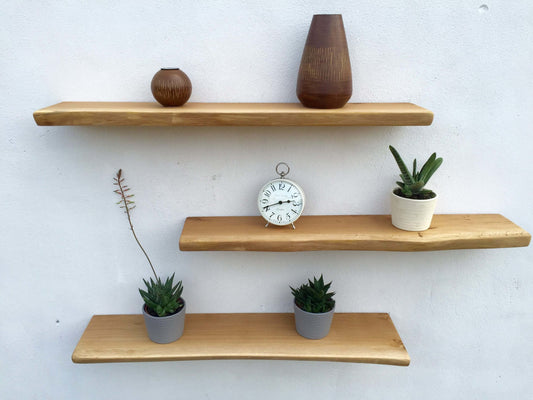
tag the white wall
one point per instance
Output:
(66, 253)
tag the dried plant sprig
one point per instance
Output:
(127, 204)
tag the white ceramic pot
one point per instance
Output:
(412, 215)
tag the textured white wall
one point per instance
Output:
(66, 253)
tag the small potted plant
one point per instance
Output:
(313, 308)
(412, 206)
(163, 308)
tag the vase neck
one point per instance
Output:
(326, 30)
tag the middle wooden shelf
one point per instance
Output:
(350, 232)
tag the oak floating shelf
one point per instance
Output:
(354, 337)
(351, 232)
(230, 114)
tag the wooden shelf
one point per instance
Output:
(230, 114)
(363, 338)
(351, 232)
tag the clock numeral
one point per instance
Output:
(279, 218)
(288, 216)
(273, 188)
(289, 189)
(264, 201)
(267, 193)
(294, 211)
(281, 186)
(271, 215)
(294, 195)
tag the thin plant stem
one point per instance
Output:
(125, 201)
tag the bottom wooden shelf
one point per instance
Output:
(354, 337)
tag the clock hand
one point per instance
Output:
(273, 204)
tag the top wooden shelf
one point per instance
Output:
(230, 114)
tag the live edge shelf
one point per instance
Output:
(354, 337)
(351, 232)
(230, 114)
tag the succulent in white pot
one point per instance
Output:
(163, 308)
(412, 206)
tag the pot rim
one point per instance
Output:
(415, 200)
(312, 313)
(170, 69)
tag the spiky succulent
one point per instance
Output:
(162, 298)
(314, 296)
(412, 184)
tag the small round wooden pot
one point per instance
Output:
(171, 87)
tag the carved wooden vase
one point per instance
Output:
(171, 87)
(325, 76)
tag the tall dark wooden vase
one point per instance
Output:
(325, 76)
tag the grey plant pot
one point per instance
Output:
(312, 325)
(165, 329)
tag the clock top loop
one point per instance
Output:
(284, 171)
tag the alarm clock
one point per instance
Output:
(281, 201)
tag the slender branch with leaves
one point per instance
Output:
(161, 299)
(128, 205)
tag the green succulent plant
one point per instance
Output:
(161, 299)
(412, 184)
(314, 296)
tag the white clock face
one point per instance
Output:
(281, 201)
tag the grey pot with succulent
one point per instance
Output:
(163, 308)
(412, 206)
(313, 308)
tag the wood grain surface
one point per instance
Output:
(354, 337)
(351, 232)
(230, 114)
